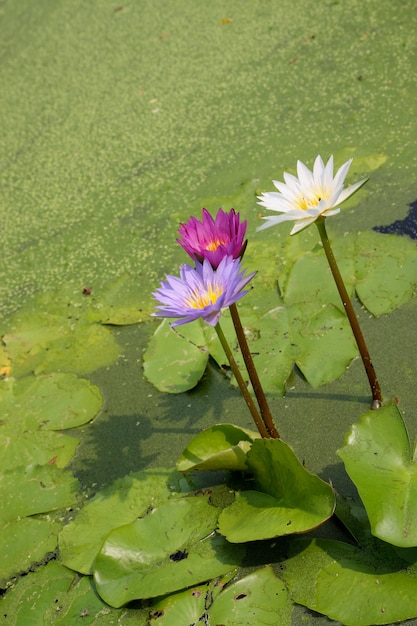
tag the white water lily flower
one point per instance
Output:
(311, 195)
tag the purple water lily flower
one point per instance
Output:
(213, 239)
(202, 291)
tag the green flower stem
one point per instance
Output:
(366, 359)
(243, 388)
(253, 374)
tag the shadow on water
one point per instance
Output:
(140, 427)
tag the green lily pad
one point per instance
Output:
(270, 344)
(386, 271)
(222, 446)
(30, 598)
(260, 598)
(183, 607)
(31, 407)
(35, 489)
(325, 341)
(175, 361)
(80, 605)
(23, 542)
(188, 606)
(288, 498)
(310, 278)
(121, 503)
(31, 447)
(120, 302)
(345, 583)
(380, 268)
(52, 595)
(50, 336)
(173, 547)
(378, 458)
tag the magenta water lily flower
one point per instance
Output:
(202, 291)
(213, 239)
(311, 195)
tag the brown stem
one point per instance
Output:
(245, 392)
(366, 359)
(253, 374)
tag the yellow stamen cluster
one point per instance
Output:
(214, 244)
(307, 202)
(199, 299)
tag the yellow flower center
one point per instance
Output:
(214, 244)
(306, 202)
(199, 299)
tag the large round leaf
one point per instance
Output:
(33, 406)
(260, 598)
(377, 456)
(173, 547)
(119, 504)
(52, 596)
(223, 446)
(175, 361)
(35, 489)
(386, 271)
(289, 499)
(49, 335)
(23, 542)
(325, 341)
(348, 585)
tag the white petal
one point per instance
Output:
(346, 193)
(292, 182)
(291, 190)
(318, 170)
(271, 221)
(277, 203)
(328, 174)
(305, 177)
(331, 212)
(301, 225)
(341, 174)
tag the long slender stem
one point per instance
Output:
(253, 374)
(243, 388)
(366, 359)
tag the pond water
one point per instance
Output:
(121, 121)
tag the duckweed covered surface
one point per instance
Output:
(118, 122)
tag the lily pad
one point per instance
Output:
(173, 547)
(120, 302)
(50, 336)
(270, 344)
(260, 598)
(23, 542)
(288, 499)
(325, 341)
(381, 269)
(121, 503)
(386, 271)
(52, 595)
(346, 584)
(188, 606)
(223, 446)
(35, 489)
(378, 458)
(183, 607)
(30, 598)
(310, 278)
(175, 361)
(31, 407)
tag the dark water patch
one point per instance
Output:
(407, 226)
